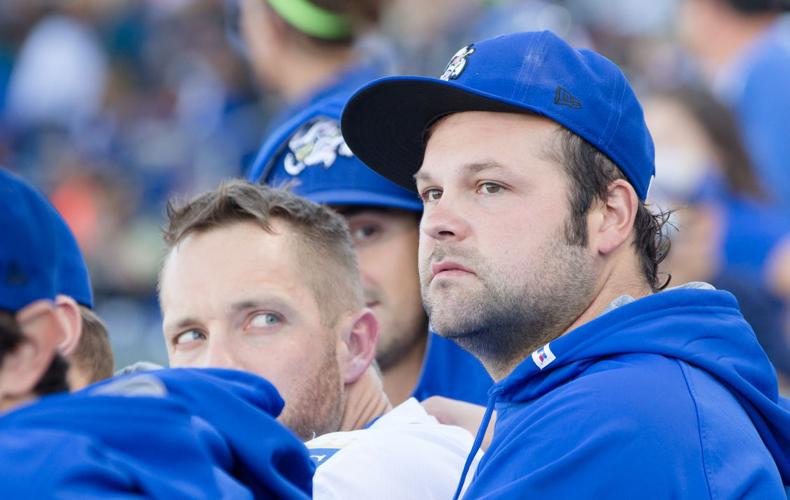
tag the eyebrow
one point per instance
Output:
(467, 169)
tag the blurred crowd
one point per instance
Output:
(114, 106)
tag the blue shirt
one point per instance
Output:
(756, 86)
(182, 433)
(668, 396)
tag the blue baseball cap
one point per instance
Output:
(384, 122)
(28, 245)
(309, 156)
(73, 277)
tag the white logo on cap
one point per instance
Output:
(316, 143)
(457, 63)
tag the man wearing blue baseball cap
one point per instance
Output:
(31, 325)
(538, 255)
(309, 156)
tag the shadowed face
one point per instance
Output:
(237, 297)
(385, 242)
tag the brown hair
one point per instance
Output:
(93, 355)
(320, 236)
(591, 172)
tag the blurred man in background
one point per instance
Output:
(725, 230)
(261, 280)
(307, 50)
(744, 50)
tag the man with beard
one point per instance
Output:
(538, 255)
(166, 434)
(310, 157)
(260, 280)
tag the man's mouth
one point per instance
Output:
(449, 269)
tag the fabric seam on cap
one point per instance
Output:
(619, 113)
(519, 91)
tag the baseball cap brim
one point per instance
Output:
(352, 197)
(384, 123)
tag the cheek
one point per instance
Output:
(424, 250)
(281, 369)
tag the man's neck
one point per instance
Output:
(737, 36)
(401, 378)
(308, 71)
(614, 286)
(365, 402)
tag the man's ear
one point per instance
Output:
(23, 368)
(360, 340)
(611, 221)
(72, 321)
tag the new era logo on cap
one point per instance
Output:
(565, 98)
(14, 275)
(543, 356)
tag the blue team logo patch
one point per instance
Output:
(457, 63)
(316, 143)
(319, 456)
(543, 357)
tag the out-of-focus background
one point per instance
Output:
(113, 107)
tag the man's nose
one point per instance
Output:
(220, 355)
(444, 221)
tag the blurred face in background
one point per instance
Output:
(385, 241)
(257, 31)
(237, 297)
(684, 161)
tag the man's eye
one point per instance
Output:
(265, 320)
(431, 194)
(363, 233)
(489, 188)
(187, 337)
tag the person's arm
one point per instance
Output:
(462, 414)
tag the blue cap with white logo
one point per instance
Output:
(309, 156)
(384, 123)
(28, 245)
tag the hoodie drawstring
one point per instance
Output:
(481, 432)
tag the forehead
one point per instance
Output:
(475, 137)
(234, 261)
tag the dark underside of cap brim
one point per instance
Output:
(384, 124)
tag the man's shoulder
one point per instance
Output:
(636, 399)
(401, 431)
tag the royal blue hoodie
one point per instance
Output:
(182, 433)
(669, 396)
